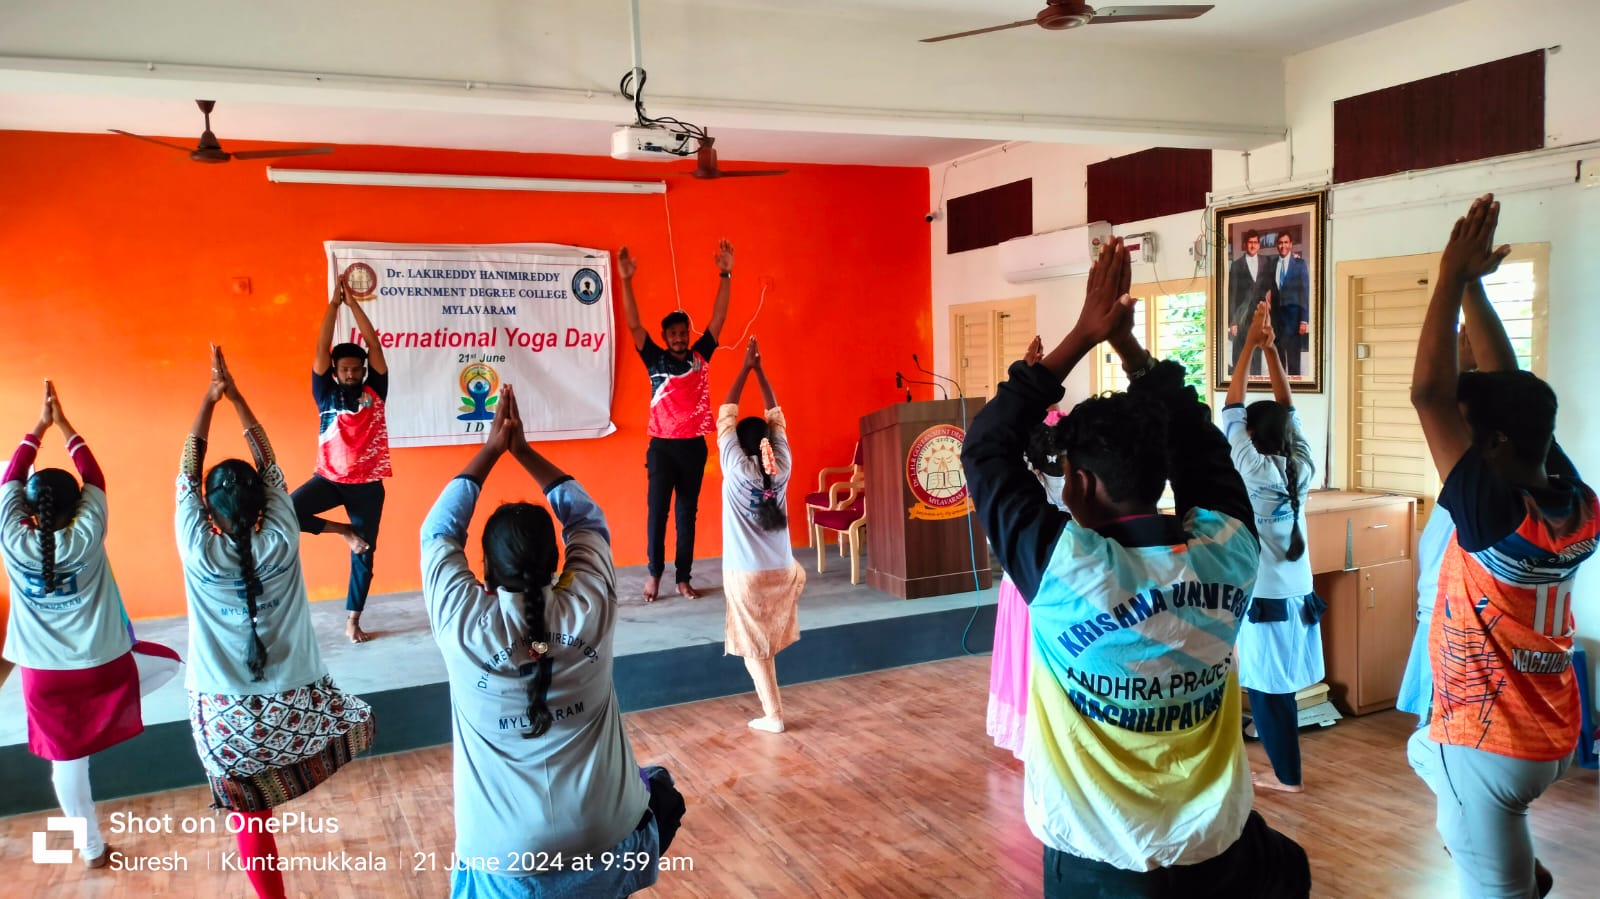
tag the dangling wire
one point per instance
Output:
(672, 251)
(752, 321)
(632, 88)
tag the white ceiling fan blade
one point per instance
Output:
(1114, 14)
(951, 37)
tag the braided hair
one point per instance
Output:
(1271, 430)
(52, 494)
(519, 554)
(752, 433)
(237, 496)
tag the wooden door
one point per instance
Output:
(985, 338)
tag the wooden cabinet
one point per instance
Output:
(1362, 549)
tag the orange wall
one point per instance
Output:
(116, 263)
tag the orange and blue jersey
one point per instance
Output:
(1502, 629)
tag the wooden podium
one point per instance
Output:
(918, 543)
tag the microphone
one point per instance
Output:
(900, 384)
(925, 371)
(901, 379)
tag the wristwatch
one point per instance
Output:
(724, 274)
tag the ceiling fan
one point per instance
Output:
(1059, 15)
(706, 163)
(208, 150)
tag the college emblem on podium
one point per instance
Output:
(934, 473)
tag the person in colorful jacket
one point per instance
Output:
(1135, 773)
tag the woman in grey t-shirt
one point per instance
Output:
(548, 798)
(269, 724)
(759, 572)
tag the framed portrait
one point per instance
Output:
(1271, 252)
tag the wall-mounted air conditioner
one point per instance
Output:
(1053, 254)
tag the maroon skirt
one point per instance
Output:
(74, 714)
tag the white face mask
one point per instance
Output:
(1053, 487)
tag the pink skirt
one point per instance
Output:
(76, 713)
(1008, 669)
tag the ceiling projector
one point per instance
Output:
(650, 144)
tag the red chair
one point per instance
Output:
(847, 522)
(837, 496)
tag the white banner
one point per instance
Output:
(456, 322)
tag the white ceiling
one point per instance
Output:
(848, 91)
(238, 122)
(1284, 26)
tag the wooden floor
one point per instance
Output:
(885, 786)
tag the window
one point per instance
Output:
(1170, 320)
(1513, 290)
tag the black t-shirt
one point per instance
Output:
(1486, 508)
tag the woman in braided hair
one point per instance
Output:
(548, 798)
(762, 579)
(1280, 640)
(67, 631)
(268, 722)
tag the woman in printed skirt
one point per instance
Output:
(548, 798)
(67, 632)
(1008, 664)
(1280, 640)
(268, 722)
(759, 572)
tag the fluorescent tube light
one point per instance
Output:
(462, 182)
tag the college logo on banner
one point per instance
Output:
(457, 322)
(587, 286)
(361, 280)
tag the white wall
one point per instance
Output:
(1060, 200)
(1458, 37)
(789, 69)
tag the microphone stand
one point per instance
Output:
(900, 379)
(918, 363)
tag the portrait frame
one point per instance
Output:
(1297, 299)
